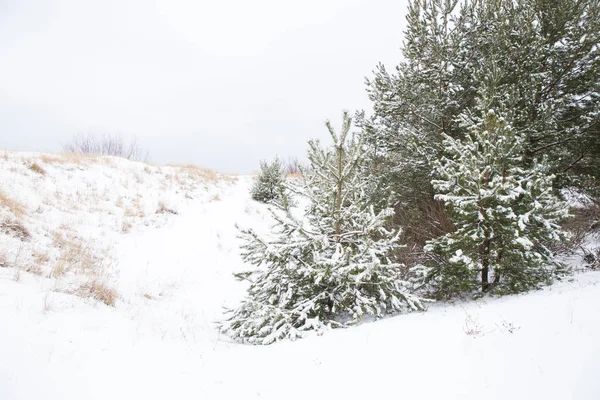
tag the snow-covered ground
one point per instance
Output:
(170, 276)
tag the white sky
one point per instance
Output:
(221, 84)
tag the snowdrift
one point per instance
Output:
(112, 274)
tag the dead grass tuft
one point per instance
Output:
(47, 304)
(61, 158)
(15, 228)
(99, 289)
(16, 208)
(197, 172)
(126, 226)
(74, 256)
(35, 269)
(163, 209)
(35, 167)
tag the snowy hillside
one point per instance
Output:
(112, 274)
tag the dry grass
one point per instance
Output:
(40, 257)
(215, 197)
(35, 269)
(229, 178)
(197, 172)
(126, 226)
(98, 289)
(148, 296)
(47, 305)
(15, 228)
(74, 256)
(62, 158)
(35, 167)
(3, 260)
(163, 209)
(16, 208)
(73, 158)
(136, 210)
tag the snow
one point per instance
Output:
(173, 276)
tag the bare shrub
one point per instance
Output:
(163, 209)
(35, 167)
(507, 326)
(15, 228)
(110, 145)
(419, 225)
(292, 167)
(591, 258)
(431, 220)
(472, 325)
(583, 221)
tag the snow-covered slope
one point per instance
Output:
(170, 275)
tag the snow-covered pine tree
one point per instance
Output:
(269, 183)
(505, 215)
(550, 59)
(330, 267)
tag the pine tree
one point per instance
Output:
(549, 57)
(506, 215)
(329, 268)
(269, 183)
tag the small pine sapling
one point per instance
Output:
(269, 183)
(329, 268)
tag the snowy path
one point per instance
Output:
(159, 343)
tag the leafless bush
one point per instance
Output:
(583, 222)
(292, 167)
(429, 221)
(592, 258)
(110, 145)
(472, 325)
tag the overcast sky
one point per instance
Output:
(221, 84)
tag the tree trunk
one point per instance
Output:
(485, 265)
(338, 223)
